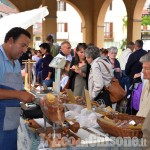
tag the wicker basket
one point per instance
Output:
(121, 131)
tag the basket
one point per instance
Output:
(121, 131)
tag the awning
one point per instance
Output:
(23, 19)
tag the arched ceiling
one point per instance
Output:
(79, 12)
(138, 9)
(92, 13)
(23, 5)
(102, 13)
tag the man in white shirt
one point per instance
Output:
(125, 55)
(36, 59)
(123, 60)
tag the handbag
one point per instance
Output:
(136, 95)
(116, 92)
(103, 98)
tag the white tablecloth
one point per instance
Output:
(29, 140)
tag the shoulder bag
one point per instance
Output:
(116, 92)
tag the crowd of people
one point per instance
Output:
(87, 67)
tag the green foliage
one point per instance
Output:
(146, 20)
(123, 43)
(124, 20)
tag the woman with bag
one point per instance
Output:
(98, 76)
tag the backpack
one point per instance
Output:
(136, 95)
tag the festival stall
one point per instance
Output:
(77, 122)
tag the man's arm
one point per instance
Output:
(49, 76)
(23, 96)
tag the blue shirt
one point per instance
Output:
(6, 65)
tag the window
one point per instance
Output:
(145, 35)
(1, 16)
(108, 30)
(110, 7)
(145, 27)
(61, 6)
(62, 27)
(37, 38)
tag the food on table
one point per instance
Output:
(122, 123)
(51, 99)
(80, 100)
(53, 109)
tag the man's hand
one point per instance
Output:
(25, 97)
(137, 75)
(48, 78)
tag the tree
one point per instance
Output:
(145, 20)
(124, 20)
(124, 27)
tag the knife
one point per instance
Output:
(90, 131)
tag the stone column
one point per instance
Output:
(84, 34)
(100, 36)
(87, 30)
(30, 30)
(49, 26)
(136, 34)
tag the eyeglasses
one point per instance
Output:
(68, 47)
(115, 53)
(146, 69)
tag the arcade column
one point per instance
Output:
(30, 30)
(136, 29)
(100, 36)
(49, 26)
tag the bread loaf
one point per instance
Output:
(51, 99)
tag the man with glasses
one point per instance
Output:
(66, 50)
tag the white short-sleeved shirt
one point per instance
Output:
(64, 81)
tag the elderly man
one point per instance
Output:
(145, 100)
(66, 50)
(145, 97)
(11, 86)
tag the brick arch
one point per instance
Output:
(81, 16)
(14, 5)
(134, 12)
(24, 5)
(100, 23)
(136, 34)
